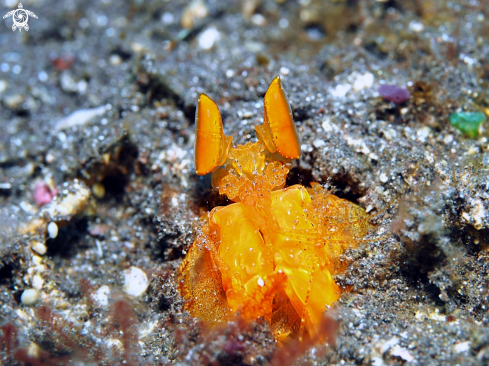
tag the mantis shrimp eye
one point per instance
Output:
(211, 145)
(278, 131)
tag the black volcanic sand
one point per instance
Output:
(417, 296)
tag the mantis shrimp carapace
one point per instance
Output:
(272, 253)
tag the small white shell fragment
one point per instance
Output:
(402, 353)
(37, 282)
(101, 296)
(52, 230)
(363, 81)
(462, 347)
(340, 90)
(135, 281)
(39, 248)
(318, 143)
(3, 85)
(208, 37)
(79, 118)
(29, 296)
(383, 177)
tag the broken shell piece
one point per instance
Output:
(101, 296)
(39, 248)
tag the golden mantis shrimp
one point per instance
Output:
(274, 251)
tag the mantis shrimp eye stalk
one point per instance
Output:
(211, 145)
(278, 130)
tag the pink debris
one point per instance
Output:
(393, 93)
(43, 194)
(62, 62)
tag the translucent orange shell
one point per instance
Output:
(273, 255)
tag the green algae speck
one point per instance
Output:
(468, 122)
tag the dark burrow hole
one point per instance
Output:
(418, 260)
(341, 184)
(163, 304)
(208, 197)
(157, 88)
(69, 235)
(315, 32)
(6, 274)
(115, 175)
(345, 187)
(115, 186)
(299, 175)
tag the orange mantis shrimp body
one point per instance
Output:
(273, 252)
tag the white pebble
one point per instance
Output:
(383, 177)
(29, 297)
(208, 38)
(3, 85)
(284, 71)
(318, 143)
(115, 60)
(39, 248)
(135, 281)
(416, 26)
(363, 81)
(52, 230)
(340, 90)
(37, 282)
(462, 347)
(101, 296)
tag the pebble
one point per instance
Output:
(115, 60)
(39, 248)
(29, 296)
(37, 282)
(363, 81)
(208, 37)
(468, 122)
(284, 71)
(101, 296)
(195, 11)
(52, 230)
(461, 347)
(98, 190)
(394, 94)
(135, 281)
(3, 85)
(14, 101)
